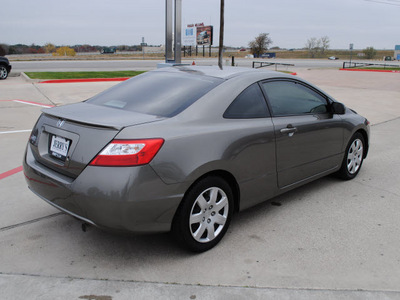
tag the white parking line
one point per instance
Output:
(33, 103)
(16, 131)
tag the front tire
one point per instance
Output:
(204, 215)
(354, 157)
(3, 72)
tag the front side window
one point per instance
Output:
(292, 98)
(248, 105)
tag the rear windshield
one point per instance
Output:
(162, 94)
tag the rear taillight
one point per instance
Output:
(122, 153)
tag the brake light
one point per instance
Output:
(123, 153)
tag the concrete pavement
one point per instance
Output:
(327, 240)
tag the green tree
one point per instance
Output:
(369, 52)
(260, 44)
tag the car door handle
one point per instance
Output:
(289, 130)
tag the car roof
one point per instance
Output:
(246, 74)
(215, 71)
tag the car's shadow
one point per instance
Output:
(59, 244)
(110, 244)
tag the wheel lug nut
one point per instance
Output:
(208, 220)
(213, 213)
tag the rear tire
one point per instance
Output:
(353, 157)
(204, 215)
(3, 72)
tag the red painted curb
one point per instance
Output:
(362, 70)
(84, 80)
(11, 172)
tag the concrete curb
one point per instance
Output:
(28, 79)
(379, 71)
(49, 287)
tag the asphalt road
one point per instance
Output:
(114, 65)
(327, 240)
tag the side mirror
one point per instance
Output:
(338, 108)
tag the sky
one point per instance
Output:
(290, 23)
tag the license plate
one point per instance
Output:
(59, 147)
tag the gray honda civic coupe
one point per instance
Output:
(182, 149)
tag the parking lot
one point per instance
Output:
(327, 240)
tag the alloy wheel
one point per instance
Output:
(209, 214)
(355, 156)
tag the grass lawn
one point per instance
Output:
(379, 68)
(82, 75)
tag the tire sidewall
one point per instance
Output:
(181, 222)
(344, 172)
(4, 69)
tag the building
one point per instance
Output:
(397, 52)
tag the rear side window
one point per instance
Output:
(162, 94)
(248, 105)
(292, 98)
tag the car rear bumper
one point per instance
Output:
(131, 199)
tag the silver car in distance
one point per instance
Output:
(182, 149)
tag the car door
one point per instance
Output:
(251, 153)
(308, 136)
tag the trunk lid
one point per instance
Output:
(66, 138)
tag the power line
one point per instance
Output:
(397, 3)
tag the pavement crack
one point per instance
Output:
(30, 222)
(311, 289)
(384, 122)
(377, 188)
(44, 95)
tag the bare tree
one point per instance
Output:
(4, 49)
(221, 34)
(313, 46)
(324, 44)
(317, 46)
(260, 44)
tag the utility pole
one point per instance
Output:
(351, 52)
(221, 34)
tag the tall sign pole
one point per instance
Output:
(221, 34)
(173, 23)
(178, 31)
(168, 31)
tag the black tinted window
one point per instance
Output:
(249, 104)
(157, 93)
(291, 98)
